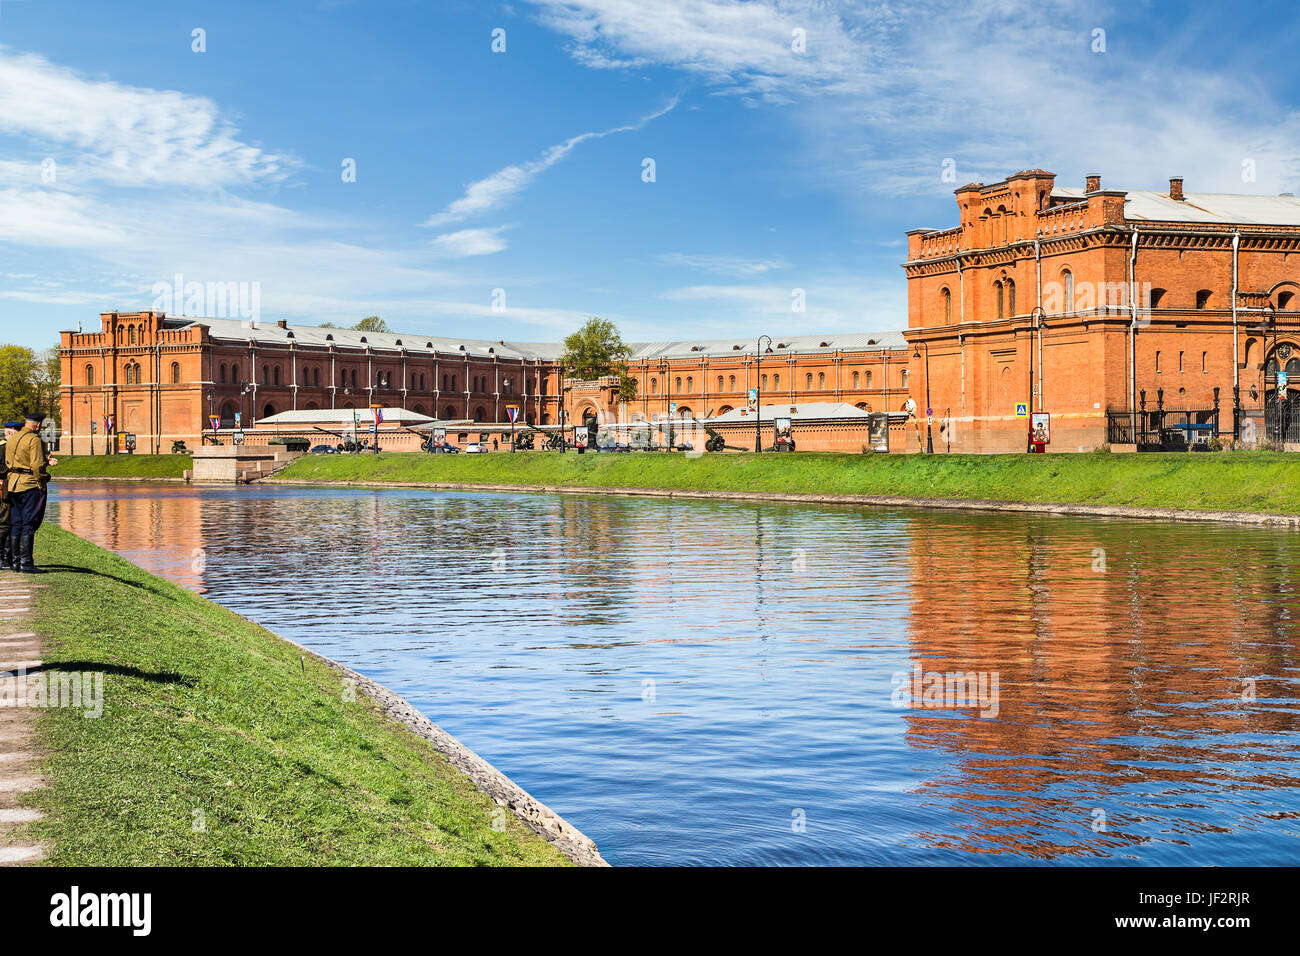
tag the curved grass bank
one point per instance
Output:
(222, 744)
(143, 467)
(1248, 482)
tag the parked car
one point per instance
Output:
(324, 450)
(476, 448)
(446, 448)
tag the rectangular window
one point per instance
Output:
(1157, 361)
(1204, 356)
(1180, 361)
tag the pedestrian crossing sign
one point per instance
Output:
(1022, 409)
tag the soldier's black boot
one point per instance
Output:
(13, 551)
(26, 564)
(6, 555)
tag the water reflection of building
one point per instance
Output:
(1105, 664)
(130, 524)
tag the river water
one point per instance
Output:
(729, 682)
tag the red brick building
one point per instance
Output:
(162, 378)
(1077, 300)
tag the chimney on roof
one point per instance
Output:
(1176, 188)
(1091, 184)
(282, 323)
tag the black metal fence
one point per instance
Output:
(1163, 429)
(1281, 421)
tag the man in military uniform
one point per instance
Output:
(6, 554)
(26, 464)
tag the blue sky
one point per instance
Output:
(127, 158)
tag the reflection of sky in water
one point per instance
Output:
(680, 678)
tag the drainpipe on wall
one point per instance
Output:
(1236, 369)
(1132, 333)
(1038, 268)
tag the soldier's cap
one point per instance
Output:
(34, 416)
(14, 424)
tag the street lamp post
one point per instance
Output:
(1267, 324)
(758, 393)
(929, 430)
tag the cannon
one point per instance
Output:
(715, 441)
(178, 448)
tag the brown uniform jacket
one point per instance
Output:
(26, 462)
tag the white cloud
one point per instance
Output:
(471, 242)
(126, 135)
(496, 190)
(735, 266)
(888, 92)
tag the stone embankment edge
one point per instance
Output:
(530, 811)
(885, 501)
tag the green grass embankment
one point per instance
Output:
(217, 745)
(1261, 482)
(121, 466)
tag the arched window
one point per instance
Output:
(719, 383)
(776, 380)
(90, 375)
(268, 411)
(422, 381)
(1156, 296)
(1284, 299)
(234, 373)
(731, 382)
(855, 379)
(947, 305)
(690, 383)
(315, 376)
(343, 377)
(176, 373)
(266, 374)
(808, 381)
(868, 378)
(1001, 298)
(130, 335)
(654, 386)
(448, 412)
(1011, 297)
(1068, 278)
(903, 378)
(678, 383)
(222, 374)
(453, 383)
(764, 381)
(276, 375)
(354, 378)
(821, 380)
(1203, 299)
(126, 374)
(479, 414)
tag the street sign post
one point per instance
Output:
(513, 412)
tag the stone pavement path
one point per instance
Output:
(19, 648)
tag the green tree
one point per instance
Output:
(47, 376)
(598, 349)
(18, 374)
(371, 323)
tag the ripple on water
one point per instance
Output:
(715, 682)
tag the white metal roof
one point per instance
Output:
(1227, 208)
(795, 411)
(343, 416)
(311, 335)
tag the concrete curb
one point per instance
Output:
(530, 811)
(880, 501)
